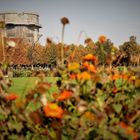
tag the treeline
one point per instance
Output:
(107, 54)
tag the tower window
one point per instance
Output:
(11, 34)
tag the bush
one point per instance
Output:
(21, 73)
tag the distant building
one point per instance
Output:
(21, 25)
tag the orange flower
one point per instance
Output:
(102, 39)
(114, 90)
(129, 130)
(124, 76)
(66, 94)
(83, 76)
(90, 57)
(11, 97)
(86, 64)
(53, 110)
(117, 76)
(92, 68)
(72, 76)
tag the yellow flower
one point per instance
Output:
(133, 78)
(73, 66)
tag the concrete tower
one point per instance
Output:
(21, 25)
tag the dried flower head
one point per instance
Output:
(64, 20)
(102, 39)
(49, 41)
(88, 40)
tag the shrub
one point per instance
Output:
(21, 73)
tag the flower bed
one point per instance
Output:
(91, 103)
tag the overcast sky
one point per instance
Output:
(117, 19)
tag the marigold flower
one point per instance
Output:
(53, 110)
(73, 66)
(117, 76)
(83, 76)
(92, 68)
(11, 97)
(66, 94)
(102, 39)
(90, 57)
(86, 64)
(89, 67)
(72, 76)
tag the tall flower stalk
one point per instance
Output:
(64, 21)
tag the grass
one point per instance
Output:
(22, 85)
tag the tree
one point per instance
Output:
(51, 54)
(132, 50)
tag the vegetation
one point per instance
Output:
(92, 92)
(90, 102)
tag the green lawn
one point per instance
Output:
(22, 85)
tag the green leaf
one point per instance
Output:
(18, 126)
(53, 134)
(13, 137)
(119, 82)
(2, 117)
(33, 106)
(101, 98)
(117, 107)
(64, 137)
(29, 135)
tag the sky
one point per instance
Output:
(116, 19)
